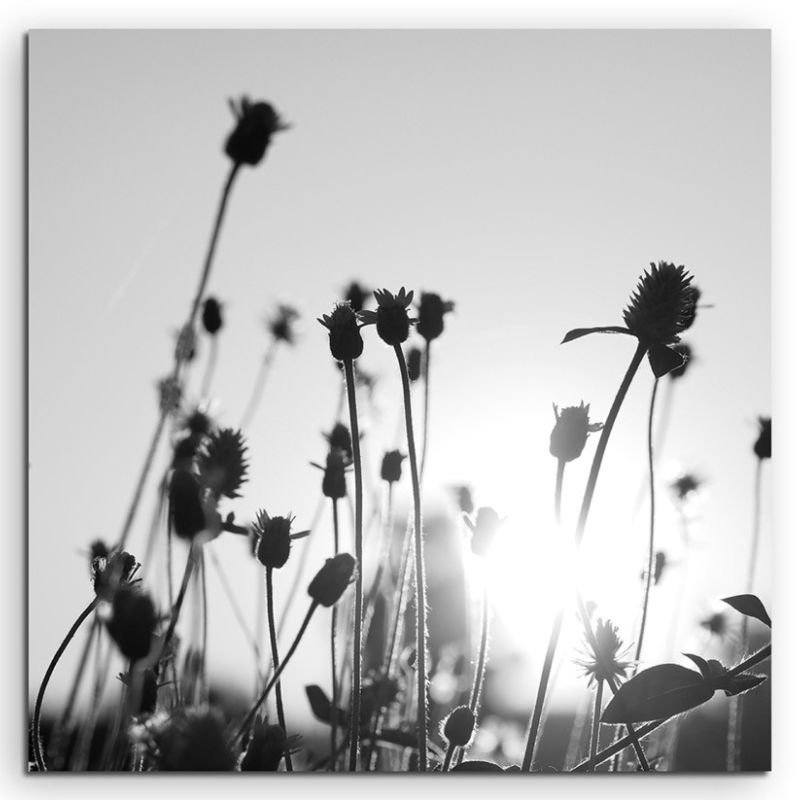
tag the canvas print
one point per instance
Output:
(399, 401)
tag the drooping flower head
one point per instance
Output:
(606, 663)
(662, 306)
(356, 295)
(344, 336)
(223, 462)
(112, 571)
(763, 446)
(274, 539)
(431, 315)
(256, 124)
(282, 324)
(328, 585)
(391, 317)
(572, 429)
(391, 466)
(212, 315)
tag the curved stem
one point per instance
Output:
(258, 387)
(422, 611)
(448, 757)
(552, 645)
(598, 707)
(651, 544)
(37, 709)
(355, 698)
(273, 643)
(276, 676)
(735, 716)
(425, 407)
(334, 623)
(638, 355)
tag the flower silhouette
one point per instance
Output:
(607, 659)
(344, 336)
(571, 431)
(391, 317)
(763, 446)
(256, 123)
(431, 315)
(662, 306)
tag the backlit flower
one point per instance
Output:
(356, 295)
(414, 363)
(223, 462)
(274, 539)
(604, 664)
(212, 315)
(763, 446)
(484, 529)
(572, 429)
(662, 306)
(282, 323)
(256, 124)
(328, 585)
(391, 317)
(133, 622)
(431, 315)
(344, 336)
(391, 466)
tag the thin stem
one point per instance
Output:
(598, 707)
(258, 387)
(204, 687)
(374, 590)
(735, 716)
(273, 643)
(651, 543)
(638, 355)
(552, 646)
(204, 275)
(334, 624)
(276, 676)
(480, 668)
(645, 730)
(176, 609)
(422, 611)
(425, 407)
(448, 757)
(37, 709)
(301, 563)
(210, 366)
(355, 698)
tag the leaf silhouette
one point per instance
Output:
(576, 333)
(477, 766)
(700, 663)
(656, 693)
(321, 706)
(750, 606)
(663, 359)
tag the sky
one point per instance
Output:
(530, 176)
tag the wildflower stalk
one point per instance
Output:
(276, 675)
(598, 708)
(735, 716)
(552, 645)
(651, 544)
(258, 387)
(448, 756)
(36, 735)
(204, 688)
(334, 622)
(204, 275)
(647, 729)
(176, 608)
(372, 594)
(605, 433)
(422, 698)
(355, 699)
(273, 643)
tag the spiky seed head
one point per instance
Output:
(274, 539)
(223, 462)
(572, 429)
(344, 336)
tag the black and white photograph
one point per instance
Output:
(399, 401)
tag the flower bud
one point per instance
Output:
(333, 481)
(339, 439)
(571, 431)
(188, 517)
(459, 726)
(391, 466)
(212, 315)
(763, 446)
(391, 317)
(274, 540)
(110, 572)
(431, 315)
(356, 295)
(484, 529)
(133, 622)
(328, 585)
(256, 123)
(344, 335)
(414, 363)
